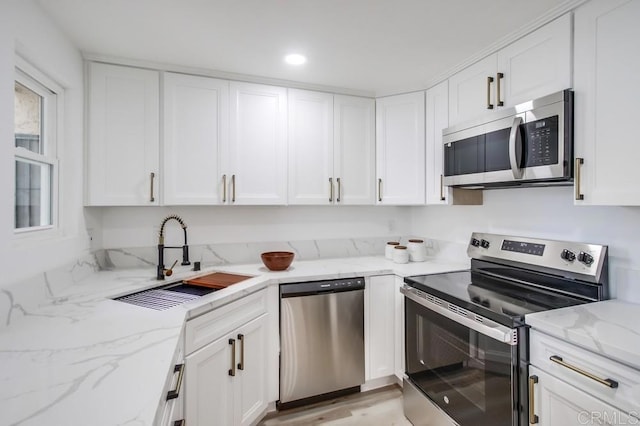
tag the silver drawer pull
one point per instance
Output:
(607, 382)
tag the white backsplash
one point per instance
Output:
(246, 252)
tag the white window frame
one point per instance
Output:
(52, 113)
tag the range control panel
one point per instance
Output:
(584, 260)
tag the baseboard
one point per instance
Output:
(380, 383)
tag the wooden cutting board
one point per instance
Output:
(218, 280)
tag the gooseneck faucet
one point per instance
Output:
(161, 247)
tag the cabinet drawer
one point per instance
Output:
(213, 325)
(624, 396)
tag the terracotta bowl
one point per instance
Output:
(277, 260)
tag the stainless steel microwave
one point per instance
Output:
(530, 144)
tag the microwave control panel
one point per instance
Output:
(541, 140)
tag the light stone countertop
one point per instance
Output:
(608, 328)
(88, 360)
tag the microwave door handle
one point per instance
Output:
(515, 148)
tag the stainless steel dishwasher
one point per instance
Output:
(321, 339)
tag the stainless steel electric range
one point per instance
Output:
(466, 343)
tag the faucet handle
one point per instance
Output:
(169, 272)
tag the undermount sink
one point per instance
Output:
(173, 294)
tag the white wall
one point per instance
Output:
(26, 29)
(120, 227)
(545, 213)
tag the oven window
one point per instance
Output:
(467, 374)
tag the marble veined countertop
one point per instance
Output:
(608, 328)
(85, 359)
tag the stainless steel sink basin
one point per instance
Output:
(166, 296)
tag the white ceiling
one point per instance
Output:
(376, 46)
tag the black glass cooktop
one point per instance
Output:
(503, 301)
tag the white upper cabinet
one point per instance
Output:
(310, 147)
(354, 149)
(123, 146)
(437, 110)
(533, 66)
(331, 148)
(196, 124)
(607, 89)
(471, 91)
(400, 149)
(258, 144)
(536, 65)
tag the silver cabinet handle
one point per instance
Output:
(607, 382)
(499, 77)
(339, 191)
(578, 166)
(173, 394)
(224, 188)
(380, 190)
(151, 198)
(489, 81)
(330, 190)
(232, 370)
(441, 187)
(515, 145)
(233, 188)
(241, 363)
(533, 419)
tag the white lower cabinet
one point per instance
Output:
(573, 386)
(399, 328)
(228, 362)
(226, 380)
(557, 403)
(172, 409)
(379, 327)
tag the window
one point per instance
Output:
(36, 165)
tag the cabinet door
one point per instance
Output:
(607, 89)
(257, 149)
(437, 110)
(209, 388)
(471, 94)
(557, 403)
(196, 121)
(123, 147)
(310, 147)
(400, 160)
(536, 65)
(354, 149)
(380, 327)
(399, 328)
(251, 392)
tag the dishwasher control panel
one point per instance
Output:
(325, 286)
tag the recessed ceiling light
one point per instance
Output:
(295, 59)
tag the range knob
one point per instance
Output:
(475, 242)
(485, 244)
(585, 258)
(568, 255)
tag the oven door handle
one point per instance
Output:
(515, 145)
(487, 328)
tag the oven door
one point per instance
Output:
(469, 374)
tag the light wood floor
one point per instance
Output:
(380, 407)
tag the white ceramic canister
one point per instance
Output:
(417, 250)
(400, 254)
(388, 249)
